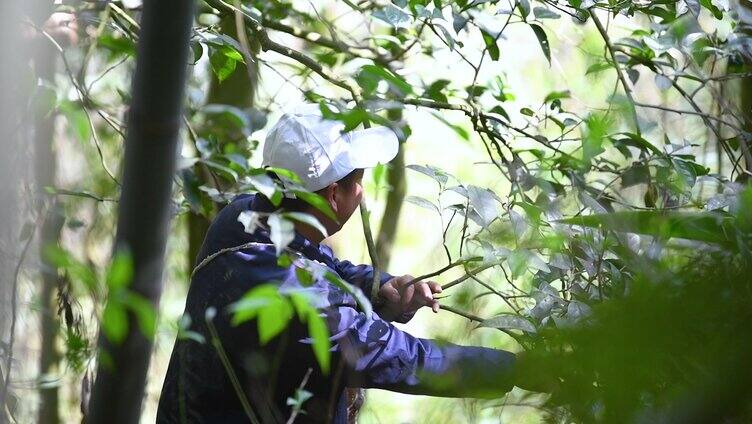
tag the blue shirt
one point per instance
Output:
(205, 383)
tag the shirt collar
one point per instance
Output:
(299, 243)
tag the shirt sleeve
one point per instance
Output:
(360, 276)
(379, 355)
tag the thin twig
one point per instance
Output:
(496, 292)
(230, 372)
(82, 97)
(442, 270)
(243, 38)
(221, 252)
(619, 72)
(469, 273)
(14, 313)
(296, 411)
(469, 316)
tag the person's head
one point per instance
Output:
(343, 197)
(327, 161)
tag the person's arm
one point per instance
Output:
(379, 355)
(360, 276)
(399, 299)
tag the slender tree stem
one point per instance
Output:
(469, 316)
(612, 52)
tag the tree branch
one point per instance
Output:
(619, 72)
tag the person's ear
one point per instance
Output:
(329, 193)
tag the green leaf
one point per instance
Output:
(637, 141)
(706, 227)
(117, 45)
(435, 90)
(304, 276)
(146, 315)
(222, 64)
(77, 270)
(248, 306)
(437, 174)
(556, 95)
(521, 260)
(500, 111)
(250, 220)
(77, 120)
(317, 330)
(484, 202)
(708, 4)
(542, 40)
(227, 115)
(378, 173)
(370, 75)
(394, 16)
(280, 172)
(598, 67)
(545, 13)
(319, 333)
(423, 203)
(459, 130)
(596, 129)
(115, 322)
(493, 48)
(509, 322)
(360, 298)
(524, 6)
(273, 319)
(636, 174)
(307, 219)
(120, 272)
(317, 202)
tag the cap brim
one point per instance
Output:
(372, 146)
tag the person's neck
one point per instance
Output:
(311, 234)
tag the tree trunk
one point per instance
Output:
(151, 147)
(237, 90)
(52, 224)
(394, 199)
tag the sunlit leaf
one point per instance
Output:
(317, 202)
(115, 322)
(509, 322)
(424, 203)
(542, 40)
(307, 219)
(120, 273)
(282, 231)
(707, 227)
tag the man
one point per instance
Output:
(240, 380)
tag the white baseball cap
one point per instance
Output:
(319, 152)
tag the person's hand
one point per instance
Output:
(403, 298)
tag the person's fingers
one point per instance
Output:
(407, 295)
(435, 306)
(426, 293)
(401, 282)
(389, 292)
(435, 287)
